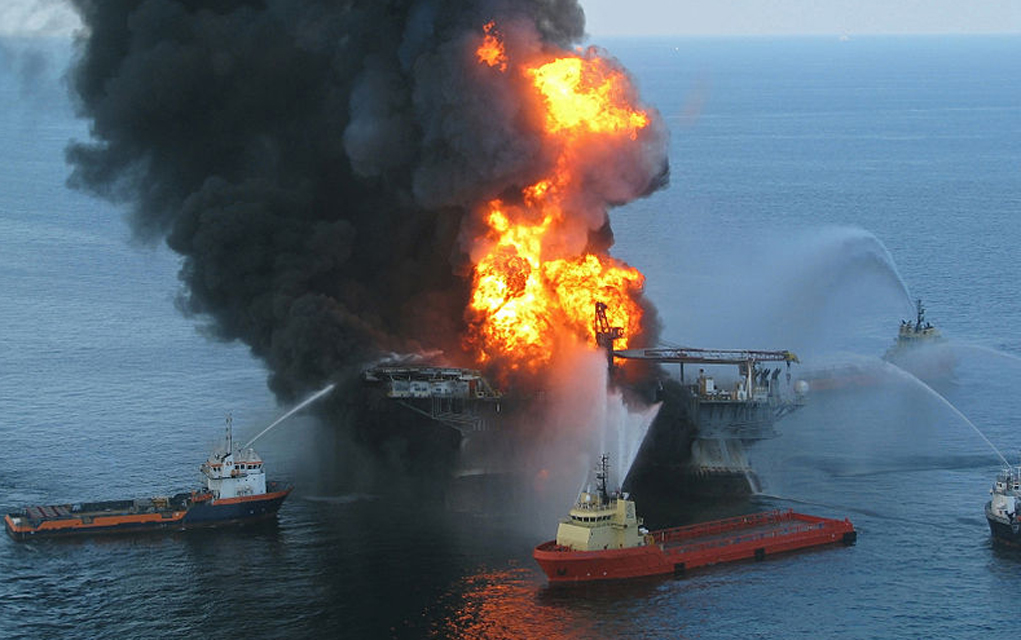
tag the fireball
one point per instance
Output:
(525, 292)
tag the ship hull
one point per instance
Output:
(1003, 530)
(675, 551)
(118, 517)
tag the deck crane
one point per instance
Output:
(605, 334)
(746, 359)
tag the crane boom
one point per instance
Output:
(706, 356)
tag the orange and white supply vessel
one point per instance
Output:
(603, 539)
(236, 491)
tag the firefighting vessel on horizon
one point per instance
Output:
(603, 539)
(236, 492)
(921, 350)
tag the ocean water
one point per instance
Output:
(817, 187)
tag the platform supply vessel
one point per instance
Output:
(603, 539)
(236, 491)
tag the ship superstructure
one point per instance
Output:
(922, 350)
(914, 334)
(1002, 508)
(231, 473)
(599, 520)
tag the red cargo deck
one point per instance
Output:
(679, 549)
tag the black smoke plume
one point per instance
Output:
(313, 161)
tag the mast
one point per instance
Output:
(230, 435)
(601, 474)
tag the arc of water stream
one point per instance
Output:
(989, 350)
(304, 403)
(949, 405)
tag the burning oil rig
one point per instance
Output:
(697, 446)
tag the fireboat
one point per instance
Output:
(922, 350)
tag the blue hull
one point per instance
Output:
(206, 515)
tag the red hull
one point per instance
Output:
(676, 550)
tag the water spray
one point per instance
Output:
(939, 396)
(991, 351)
(304, 403)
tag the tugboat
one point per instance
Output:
(603, 539)
(1002, 509)
(921, 349)
(236, 492)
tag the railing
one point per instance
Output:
(762, 535)
(722, 526)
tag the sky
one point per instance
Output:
(37, 18)
(800, 17)
(687, 17)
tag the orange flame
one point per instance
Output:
(491, 50)
(523, 297)
(585, 94)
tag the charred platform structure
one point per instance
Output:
(450, 426)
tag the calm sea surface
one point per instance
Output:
(817, 187)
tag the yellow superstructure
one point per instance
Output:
(596, 523)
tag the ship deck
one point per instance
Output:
(683, 548)
(43, 513)
(740, 529)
